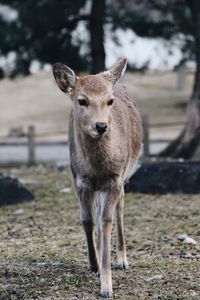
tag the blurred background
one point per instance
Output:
(42, 246)
(160, 39)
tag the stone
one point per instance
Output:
(182, 237)
(165, 177)
(189, 240)
(186, 239)
(18, 212)
(65, 190)
(12, 191)
(156, 277)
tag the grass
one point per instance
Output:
(43, 249)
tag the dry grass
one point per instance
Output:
(33, 100)
(157, 96)
(43, 249)
(36, 100)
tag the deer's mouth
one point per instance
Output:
(96, 135)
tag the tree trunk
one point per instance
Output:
(187, 145)
(97, 36)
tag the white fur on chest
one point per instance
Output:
(80, 183)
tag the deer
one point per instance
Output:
(105, 138)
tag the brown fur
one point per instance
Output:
(101, 164)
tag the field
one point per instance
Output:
(36, 100)
(43, 249)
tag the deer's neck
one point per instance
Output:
(96, 153)
(95, 149)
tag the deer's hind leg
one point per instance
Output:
(122, 262)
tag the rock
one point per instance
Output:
(186, 239)
(161, 178)
(19, 211)
(156, 277)
(65, 190)
(12, 191)
(189, 256)
(189, 240)
(182, 237)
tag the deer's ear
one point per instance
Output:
(64, 77)
(117, 71)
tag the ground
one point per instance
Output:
(43, 249)
(36, 100)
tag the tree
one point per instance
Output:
(187, 145)
(42, 31)
(96, 25)
(168, 19)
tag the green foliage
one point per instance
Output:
(156, 19)
(42, 31)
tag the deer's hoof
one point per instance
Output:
(122, 266)
(97, 274)
(105, 294)
(94, 269)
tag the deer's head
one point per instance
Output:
(92, 96)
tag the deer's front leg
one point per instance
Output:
(86, 214)
(108, 209)
(122, 262)
(98, 225)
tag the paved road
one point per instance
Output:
(44, 153)
(49, 153)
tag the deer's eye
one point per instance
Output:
(110, 102)
(82, 102)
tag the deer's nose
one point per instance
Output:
(101, 127)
